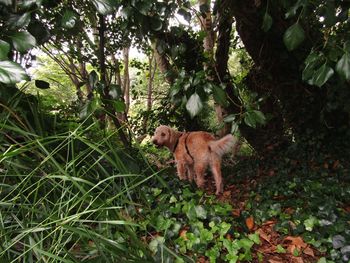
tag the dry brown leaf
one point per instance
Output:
(275, 261)
(297, 241)
(183, 234)
(325, 165)
(227, 193)
(297, 260)
(263, 235)
(236, 212)
(250, 222)
(270, 222)
(309, 251)
(269, 249)
(336, 164)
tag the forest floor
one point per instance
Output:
(299, 208)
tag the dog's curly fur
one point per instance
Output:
(194, 152)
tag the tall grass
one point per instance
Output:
(66, 197)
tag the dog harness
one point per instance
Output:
(187, 150)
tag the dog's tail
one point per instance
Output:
(223, 145)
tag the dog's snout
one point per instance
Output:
(155, 141)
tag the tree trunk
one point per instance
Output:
(126, 79)
(152, 71)
(103, 71)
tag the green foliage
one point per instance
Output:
(294, 196)
(65, 195)
(293, 36)
(11, 72)
(193, 90)
(192, 223)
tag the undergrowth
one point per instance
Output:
(77, 195)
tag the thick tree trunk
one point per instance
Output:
(275, 75)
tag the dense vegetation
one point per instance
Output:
(83, 84)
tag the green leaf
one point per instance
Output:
(115, 91)
(39, 31)
(343, 66)
(144, 7)
(255, 238)
(6, 2)
(105, 7)
(296, 252)
(4, 49)
(230, 118)
(155, 243)
(313, 61)
(254, 117)
(89, 107)
(310, 223)
(69, 19)
(19, 21)
(245, 243)
(156, 24)
(293, 10)
(293, 36)
(347, 46)
(322, 260)
(194, 105)
(186, 15)
(22, 41)
(267, 22)
(93, 79)
(219, 95)
(119, 106)
(249, 119)
(321, 75)
(280, 249)
(259, 117)
(201, 212)
(11, 72)
(41, 84)
(204, 8)
(234, 128)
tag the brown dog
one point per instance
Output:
(194, 152)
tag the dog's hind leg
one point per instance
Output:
(199, 169)
(216, 170)
(181, 170)
(191, 173)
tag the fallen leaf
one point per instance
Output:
(297, 241)
(228, 236)
(183, 234)
(270, 222)
(236, 212)
(263, 235)
(309, 251)
(227, 194)
(297, 260)
(325, 165)
(336, 164)
(275, 261)
(250, 222)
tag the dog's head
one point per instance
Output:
(162, 136)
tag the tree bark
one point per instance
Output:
(126, 79)
(152, 70)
